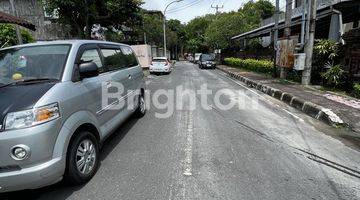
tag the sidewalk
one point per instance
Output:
(326, 106)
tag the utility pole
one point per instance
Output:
(145, 39)
(87, 20)
(287, 30)
(276, 34)
(303, 22)
(309, 43)
(17, 29)
(217, 8)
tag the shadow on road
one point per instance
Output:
(62, 191)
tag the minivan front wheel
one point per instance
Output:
(141, 110)
(82, 159)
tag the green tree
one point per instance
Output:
(80, 15)
(220, 31)
(8, 35)
(195, 33)
(261, 9)
(226, 25)
(178, 29)
(176, 36)
(153, 28)
(193, 45)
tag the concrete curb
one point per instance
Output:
(309, 108)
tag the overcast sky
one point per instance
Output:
(189, 9)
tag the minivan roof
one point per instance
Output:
(72, 42)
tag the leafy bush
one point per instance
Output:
(8, 35)
(325, 51)
(334, 76)
(261, 66)
(357, 90)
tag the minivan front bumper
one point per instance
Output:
(34, 177)
(40, 168)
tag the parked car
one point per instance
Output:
(197, 58)
(160, 65)
(52, 117)
(207, 61)
(190, 58)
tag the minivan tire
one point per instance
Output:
(140, 112)
(72, 175)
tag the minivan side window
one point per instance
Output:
(130, 57)
(92, 55)
(114, 59)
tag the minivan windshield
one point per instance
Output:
(207, 57)
(32, 63)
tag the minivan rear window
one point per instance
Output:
(207, 57)
(130, 57)
(114, 59)
(159, 60)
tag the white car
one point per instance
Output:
(160, 65)
(197, 58)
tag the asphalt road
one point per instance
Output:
(264, 151)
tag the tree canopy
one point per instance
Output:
(152, 26)
(84, 13)
(126, 21)
(8, 35)
(195, 33)
(214, 31)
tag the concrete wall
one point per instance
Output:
(349, 26)
(160, 53)
(144, 54)
(32, 11)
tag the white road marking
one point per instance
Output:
(295, 116)
(189, 145)
(240, 84)
(171, 194)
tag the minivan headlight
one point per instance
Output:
(32, 117)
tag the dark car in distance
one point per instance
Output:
(207, 61)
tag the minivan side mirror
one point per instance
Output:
(88, 70)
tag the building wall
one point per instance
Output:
(298, 3)
(144, 54)
(32, 11)
(349, 26)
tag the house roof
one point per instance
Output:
(322, 9)
(6, 18)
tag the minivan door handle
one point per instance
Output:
(130, 77)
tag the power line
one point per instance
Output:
(184, 6)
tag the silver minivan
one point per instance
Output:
(55, 109)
